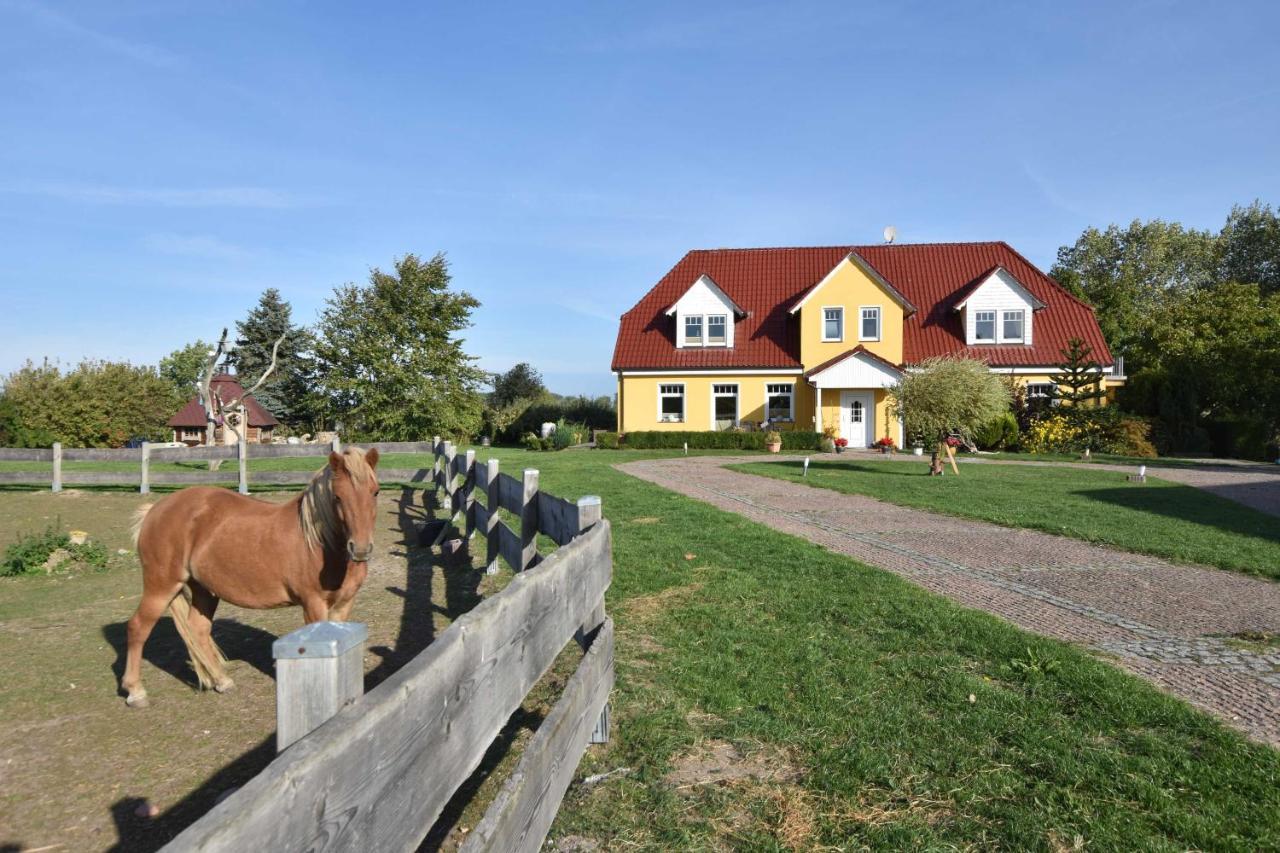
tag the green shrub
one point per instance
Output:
(27, 556)
(720, 440)
(997, 434)
(1104, 430)
(606, 440)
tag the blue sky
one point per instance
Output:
(164, 162)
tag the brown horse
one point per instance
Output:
(203, 544)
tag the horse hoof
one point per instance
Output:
(224, 685)
(137, 700)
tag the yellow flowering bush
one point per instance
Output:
(1054, 434)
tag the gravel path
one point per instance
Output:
(1161, 620)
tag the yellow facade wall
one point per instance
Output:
(638, 407)
(850, 288)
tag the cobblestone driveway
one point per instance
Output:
(1158, 619)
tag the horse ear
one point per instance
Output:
(336, 462)
(372, 457)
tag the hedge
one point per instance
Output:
(726, 440)
(606, 440)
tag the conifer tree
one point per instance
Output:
(1079, 377)
(287, 392)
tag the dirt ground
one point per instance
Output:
(76, 763)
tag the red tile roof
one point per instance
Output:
(767, 282)
(226, 386)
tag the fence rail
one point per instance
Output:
(148, 454)
(376, 773)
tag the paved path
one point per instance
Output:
(1156, 618)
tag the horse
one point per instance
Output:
(203, 544)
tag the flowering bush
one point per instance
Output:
(1094, 429)
(952, 441)
(884, 442)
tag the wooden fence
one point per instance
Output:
(379, 769)
(145, 455)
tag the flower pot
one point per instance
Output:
(886, 450)
(839, 449)
(918, 451)
(774, 447)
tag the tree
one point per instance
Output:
(182, 367)
(97, 404)
(390, 358)
(521, 382)
(1079, 377)
(1127, 274)
(287, 393)
(947, 394)
(1251, 247)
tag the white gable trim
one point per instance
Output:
(856, 370)
(1011, 281)
(856, 260)
(706, 281)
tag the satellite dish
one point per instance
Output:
(890, 233)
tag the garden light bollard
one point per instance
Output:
(686, 448)
(806, 467)
(319, 671)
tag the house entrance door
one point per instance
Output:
(857, 416)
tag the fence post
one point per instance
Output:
(468, 494)
(491, 529)
(590, 511)
(337, 443)
(435, 461)
(242, 452)
(529, 520)
(450, 453)
(319, 670)
(145, 486)
(57, 466)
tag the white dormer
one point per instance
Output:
(998, 310)
(704, 316)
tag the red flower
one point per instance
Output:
(884, 442)
(842, 442)
(953, 441)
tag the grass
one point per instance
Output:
(1158, 517)
(895, 719)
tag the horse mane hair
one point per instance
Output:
(316, 511)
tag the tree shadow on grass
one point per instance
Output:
(1193, 505)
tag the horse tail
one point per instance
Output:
(139, 516)
(180, 609)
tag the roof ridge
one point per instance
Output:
(849, 247)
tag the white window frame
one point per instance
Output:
(840, 337)
(790, 394)
(724, 339)
(736, 394)
(862, 319)
(664, 393)
(1052, 396)
(995, 328)
(1022, 325)
(701, 340)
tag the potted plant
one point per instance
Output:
(885, 444)
(841, 444)
(773, 441)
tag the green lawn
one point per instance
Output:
(1157, 517)
(901, 721)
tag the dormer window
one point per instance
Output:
(716, 324)
(984, 326)
(693, 330)
(1013, 326)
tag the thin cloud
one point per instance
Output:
(587, 309)
(198, 246)
(254, 197)
(147, 54)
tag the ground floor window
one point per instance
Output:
(780, 402)
(1041, 390)
(671, 403)
(724, 404)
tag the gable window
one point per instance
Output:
(779, 401)
(870, 328)
(693, 330)
(671, 403)
(984, 326)
(833, 324)
(715, 329)
(1012, 326)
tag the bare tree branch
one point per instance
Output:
(263, 378)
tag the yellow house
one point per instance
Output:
(812, 338)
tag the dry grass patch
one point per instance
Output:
(713, 762)
(645, 608)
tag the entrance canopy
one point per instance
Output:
(857, 368)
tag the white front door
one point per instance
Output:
(857, 414)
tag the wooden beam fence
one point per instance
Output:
(374, 772)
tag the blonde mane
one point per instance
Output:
(316, 511)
